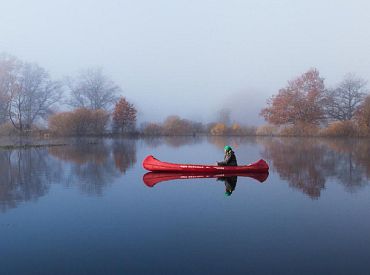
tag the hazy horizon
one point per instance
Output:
(192, 58)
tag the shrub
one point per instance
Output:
(267, 130)
(7, 129)
(79, 122)
(300, 129)
(345, 128)
(174, 125)
(238, 130)
(248, 130)
(152, 129)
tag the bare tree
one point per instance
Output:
(9, 73)
(343, 100)
(224, 116)
(94, 90)
(32, 97)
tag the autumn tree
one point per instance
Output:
(301, 101)
(93, 90)
(363, 114)
(235, 129)
(219, 129)
(124, 116)
(342, 101)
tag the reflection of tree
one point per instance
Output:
(93, 177)
(81, 153)
(177, 141)
(298, 162)
(92, 168)
(25, 175)
(362, 155)
(124, 153)
(307, 163)
(233, 141)
(153, 142)
(352, 166)
(219, 141)
(173, 141)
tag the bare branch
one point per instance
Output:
(343, 101)
(93, 90)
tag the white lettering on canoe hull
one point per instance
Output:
(191, 177)
(201, 167)
(191, 166)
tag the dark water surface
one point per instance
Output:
(85, 209)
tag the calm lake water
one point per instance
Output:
(84, 208)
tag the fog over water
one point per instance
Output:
(192, 58)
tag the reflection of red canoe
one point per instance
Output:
(152, 178)
(152, 164)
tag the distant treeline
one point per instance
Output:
(174, 125)
(30, 99)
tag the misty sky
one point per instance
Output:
(192, 58)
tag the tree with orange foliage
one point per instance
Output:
(124, 116)
(363, 114)
(301, 101)
(235, 129)
(218, 129)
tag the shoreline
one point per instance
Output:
(37, 143)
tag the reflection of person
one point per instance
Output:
(229, 159)
(230, 184)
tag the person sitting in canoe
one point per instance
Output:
(229, 159)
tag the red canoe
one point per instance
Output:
(152, 178)
(152, 164)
